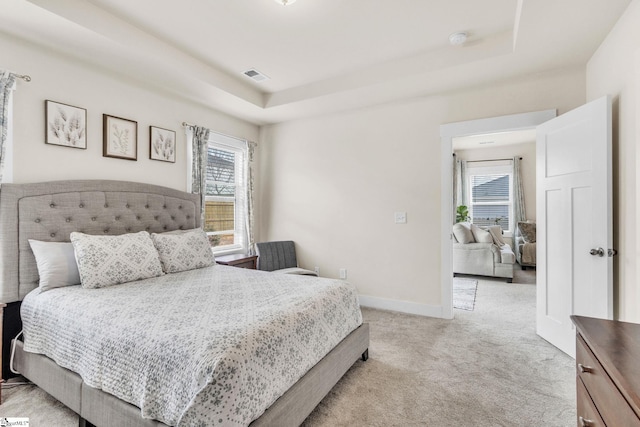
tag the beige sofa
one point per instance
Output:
(481, 252)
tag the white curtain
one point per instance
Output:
(459, 184)
(199, 142)
(7, 85)
(519, 212)
(250, 176)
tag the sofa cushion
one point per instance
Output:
(480, 235)
(462, 232)
(528, 231)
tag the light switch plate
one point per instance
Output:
(401, 217)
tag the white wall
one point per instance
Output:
(615, 69)
(65, 80)
(333, 183)
(527, 167)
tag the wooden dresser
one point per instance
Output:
(608, 372)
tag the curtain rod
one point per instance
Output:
(490, 160)
(24, 77)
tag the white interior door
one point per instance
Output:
(574, 214)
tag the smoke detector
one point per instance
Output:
(457, 39)
(256, 75)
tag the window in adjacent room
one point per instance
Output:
(225, 199)
(491, 194)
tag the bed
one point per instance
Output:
(52, 211)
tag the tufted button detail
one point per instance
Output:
(117, 218)
(128, 229)
(37, 220)
(81, 205)
(68, 220)
(146, 206)
(53, 234)
(93, 218)
(148, 228)
(138, 217)
(181, 227)
(164, 228)
(127, 206)
(106, 205)
(173, 218)
(180, 207)
(52, 205)
(106, 230)
(188, 216)
(156, 217)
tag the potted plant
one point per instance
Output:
(462, 214)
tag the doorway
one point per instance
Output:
(448, 132)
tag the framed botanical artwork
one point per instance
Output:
(120, 138)
(66, 125)
(162, 144)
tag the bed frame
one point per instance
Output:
(50, 211)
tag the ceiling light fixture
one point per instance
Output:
(285, 2)
(457, 39)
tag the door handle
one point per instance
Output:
(597, 252)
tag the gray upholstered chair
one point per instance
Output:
(280, 257)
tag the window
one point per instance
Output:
(491, 195)
(225, 199)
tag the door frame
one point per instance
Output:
(512, 122)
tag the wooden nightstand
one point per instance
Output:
(238, 260)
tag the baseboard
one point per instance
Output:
(401, 306)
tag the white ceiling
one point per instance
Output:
(492, 140)
(322, 56)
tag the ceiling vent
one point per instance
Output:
(256, 75)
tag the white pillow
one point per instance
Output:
(481, 236)
(186, 250)
(462, 232)
(111, 260)
(56, 263)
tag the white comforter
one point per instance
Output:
(213, 346)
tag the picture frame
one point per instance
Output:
(162, 144)
(120, 138)
(65, 125)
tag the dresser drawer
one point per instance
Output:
(613, 408)
(588, 415)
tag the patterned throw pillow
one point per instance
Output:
(186, 250)
(111, 260)
(528, 231)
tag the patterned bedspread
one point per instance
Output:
(213, 346)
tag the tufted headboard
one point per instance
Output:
(50, 211)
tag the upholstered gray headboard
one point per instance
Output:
(50, 211)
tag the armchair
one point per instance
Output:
(280, 257)
(525, 244)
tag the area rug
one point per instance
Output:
(464, 293)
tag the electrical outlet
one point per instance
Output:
(343, 273)
(317, 270)
(401, 217)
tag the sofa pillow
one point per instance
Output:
(56, 263)
(496, 233)
(181, 251)
(480, 235)
(111, 260)
(462, 232)
(528, 231)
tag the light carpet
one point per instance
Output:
(464, 293)
(486, 367)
